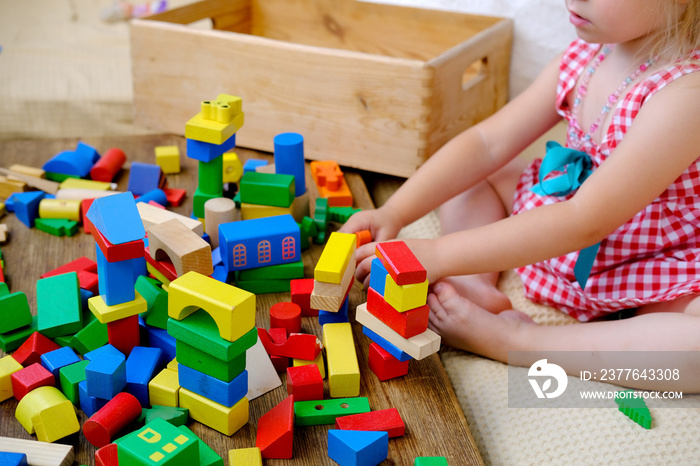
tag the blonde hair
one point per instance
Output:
(681, 37)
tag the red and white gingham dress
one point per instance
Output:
(655, 256)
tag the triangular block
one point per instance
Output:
(357, 448)
(117, 218)
(276, 431)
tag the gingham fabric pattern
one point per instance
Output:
(652, 258)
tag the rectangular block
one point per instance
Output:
(307, 413)
(214, 415)
(202, 361)
(388, 347)
(141, 366)
(330, 296)
(407, 324)
(218, 391)
(377, 276)
(58, 305)
(405, 297)
(343, 368)
(335, 257)
(164, 389)
(287, 271)
(270, 189)
(399, 261)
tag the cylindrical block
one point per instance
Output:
(289, 159)
(287, 316)
(156, 195)
(217, 211)
(36, 401)
(60, 208)
(108, 166)
(106, 423)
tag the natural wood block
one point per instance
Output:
(40, 453)
(186, 250)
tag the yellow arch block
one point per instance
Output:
(232, 309)
(47, 411)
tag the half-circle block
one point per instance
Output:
(232, 309)
(186, 250)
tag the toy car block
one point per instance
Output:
(297, 345)
(75, 163)
(14, 311)
(174, 196)
(634, 407)
(156, 298)
(156, 196)
(385, 420)
(186, 250)
(104, 426)
(90, 337)
(173, 414)
(224, 393)
(164, 389)
(60, 208)
(141, 366)
(270, 189)
(430, 461)
(305, 383)
(117, 217)
(363, 237)
(232, 309)
(55, 360)
(158, 442)
(206, 152)
(217, 121)
(151, 215)
(275, 434)
(202, 361)
(233, 168)
(325, 317)
(400, 262)
(8, 366)
(357, 448)
(49, 413)
(279, 337)
(33, 347)
(58, 305)
(143, 177)
(106, 373)
(106, 313)
(384, 365)
(69, 378)
(108, 166)
(418, 347)
(168, 158)
(51, 453)
(57, 226)
(262, 376)
(207, 455)
(107, 455)
(259, 242)
(407, 324)
(217, 211)
(343, 368)
(289, 158)
(245, 457)
(331, 183)
(322, 412)
(405, 297)
(253, 211)
(287, 316)
(330, 296)
(27, 206)
(13, 459)
(301, 290)
(226, 420)
(335, 258)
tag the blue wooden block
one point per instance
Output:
(75, 163)
(84, 296)
(106, 374)
(10, 203)
(142, 365)
(160, 338)
(89, 404)
(357, 447)
(325, 317)
(139, 267)
(117, 218)
(289, 159)
(144, 177)
(156, 195)
(252, 165)
(224, 393)
(222, 274)
(54, 360)
(377, 276)
(115, 280)
(387, 346)
(26, 206)
(216, 257)
(259, 242)
(206, 152)
(13, 459)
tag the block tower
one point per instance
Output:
(395, 316)
(333, 278)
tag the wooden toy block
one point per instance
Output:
(217, 211)
(407, 324)
(48, 413)
(255, 211)
(8, 188)
(297, 345)
(233, 168)
(89, 404)
(321, 412)
(430, 461)
(106, 373)
(245, 457)
(82, 194)
(343, 368)
(164, 389)
(341, 214)
(107, 455)
(104, 426)
(156, 298)
(76, 163)
(224, 393)
(357, 448)
(163, 270)
(70, 377)
(187, 251)
(33, 347)
(151, 215)
(141, 366)
(117, 218)
(418, 347)
(143, 177)
(305, 382)
(168, 159)
(14, 311)
(275, 432)
(633, 407)
(271, 189)
(405, 297)
(308, 229)
(202, 361)
(57, 226)
(252, 165)
(90, 337)
(77, 183)
(211, 178)
(286, 271)
(11, 341)
(106, 314)
(363, 237)
(254, 243)
(207, 455)
(287, 316)
(400, 262)
(335, 258)
(124, 334)
(60, 208)
(296, 362)
(301, 290)
(159, 338)
(27, 170)
(54, 454)
(3, 239)
(154, 196)
(58, 305)
(116, 252)
(384, 365)
(55, 360)
(173, 414)
(8, 366)
(219, 417)
(325, 317)
(278, 337)
(385, 420)
(331, 183)
(217, 120)
(174, 196)
(27, 206)
(289, 158)
(377, 276)
(156, 443)
(206, 152)
(15, 175)
(87, 226)
(330, 296)
(262, 376)
(13, 459)
(108, 166)
(82, 264)
(232, 309)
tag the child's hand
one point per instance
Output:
(382, 225)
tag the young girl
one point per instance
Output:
(629, 179)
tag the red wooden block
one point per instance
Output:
(279, 336)
(175, 196)
(155, 204)
(165, 266)
(108, 421)
(33, 347)
(117, 252)
(276, 431)
(124, 334)
(287, 316)
(31, 377)
(363, 237)
(384, 365)
(107, 167)
(89, 281)
(2, 274)
(297, 345)
(82, 264)
(107, 455)
(84, 207)
(407, 324)
(400, 262)
(305, 383)
(385, 420)
(301, 289)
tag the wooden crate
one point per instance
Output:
(372, 86)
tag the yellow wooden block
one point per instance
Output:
(168, 159)
(405, 297)
(172, 365)
(29, 171)
(245, 457)
(2, 208)
(335, 257)
(318, 361)
(251, 211)
(233, 168)
(185, 249)
(157, 274)
(79, 183)
(343, 368)
(330, 296)
(8, 366)
(232, 309)
(106, 314)
(60, 208)
(212, 131)
(217, 416)
(47, 411)
(164, 389)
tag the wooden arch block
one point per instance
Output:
(186, 250)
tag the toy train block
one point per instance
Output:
(106, 313)
(218, 211)
(164, 389)
(174, 415)
(363, 237)
(14, 311)
(207, 455)
(407, 324)
(278, 337)
(400, 262)
(418, 347)
(233, 168)
(158, 442)
(54, 361)
(168, 159)
(385, 420)
(156, 298)
(256, 211)
(301, 290)
(39, 453)
(262, 376)
(27, 206)
(48, 413)
(289, 158)
(343, 368)
(336, 256)
(186, 250)
(245, 457)
(217, 120)
(58, 305)
(227, 420)
(232, 309)
(8, 366)
(141, 366)
(275, 432)
(331, 183)
(405, 297)
(330, 296)
(33, 347)
(104, 426)
(325, 317)
(13, 459)
(430, 461)
(144, 177)
(355, 447)
(192, 357)
(224, 393)
(90, 337)
(108, 166)
(308, 413)
(305, 382)
(75, 163)
(106, 373)
(60, 208)
(117, 217)
(107, 455)
(287, 316)
(384, 365)
(269, 189)
(207, 152)
(151, 215)
(69, 378)
(297, 345)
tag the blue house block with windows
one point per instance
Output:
(259, 242)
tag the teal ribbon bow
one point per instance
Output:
(576, 167)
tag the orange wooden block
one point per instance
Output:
(331, 183)
(363, 237)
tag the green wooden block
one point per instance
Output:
(174, 415)
(264, 286)
(272, 189)
(237, 199)
(430, 461)
(57, 226)
(90, 337)
(207, 456)
(159, 443)
(58, 303)
(4, 290)
(286, 271)
(10, 341)
(59, 177)
(157, 299)
(200, 198)
(341, 214)
(70, 377)
(14, 311)
(634, 407)
(211, 177)
(199, 330)
(64, 340)
(204, 362)
(321, 220)
(318, 412)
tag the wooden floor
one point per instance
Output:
(435, 424)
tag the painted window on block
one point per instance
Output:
(264, 252)
(288, 248)
(239, 256)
